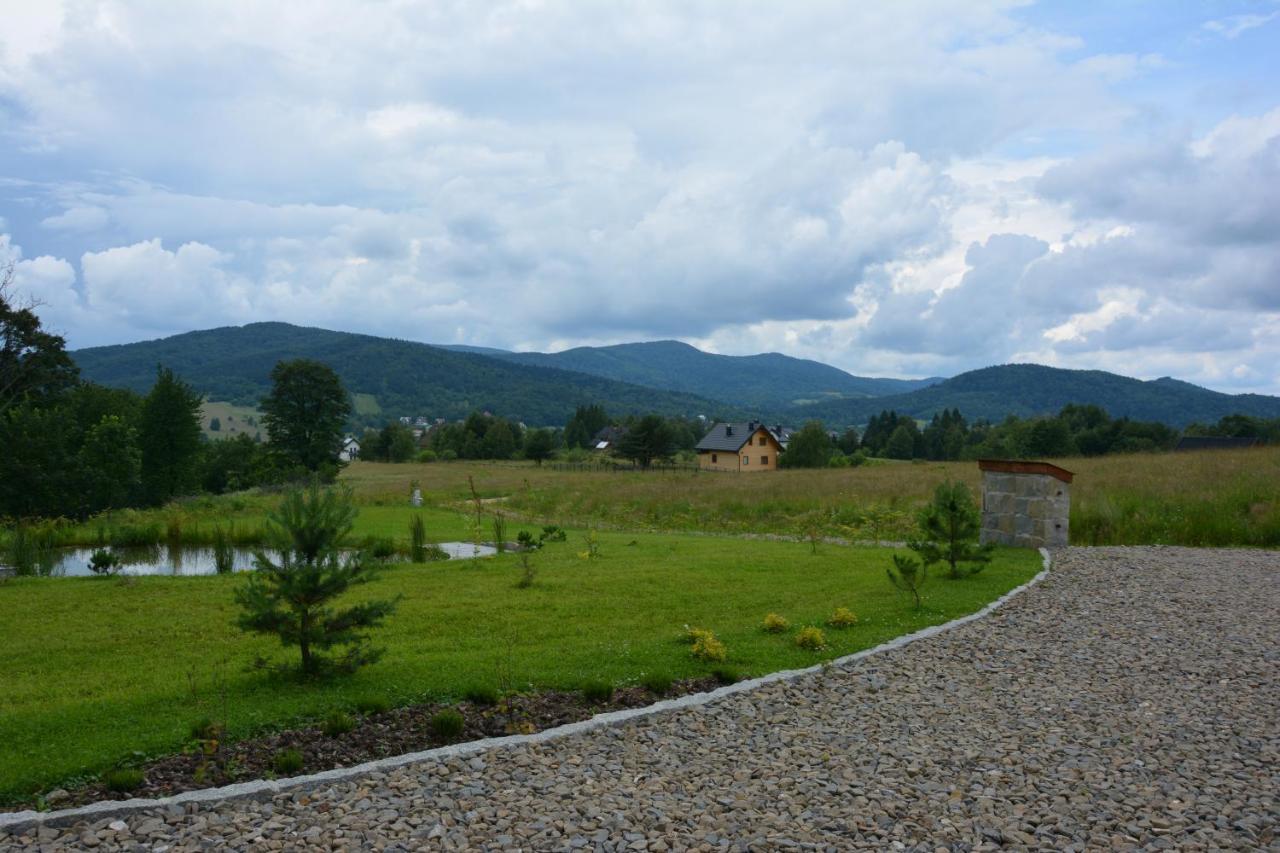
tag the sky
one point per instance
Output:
(898, 189)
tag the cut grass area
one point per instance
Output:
(98, 672)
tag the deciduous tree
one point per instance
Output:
(305, 414)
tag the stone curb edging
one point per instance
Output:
(264, 788)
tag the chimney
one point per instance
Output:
(728, 430)
(751, 426)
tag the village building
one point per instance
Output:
(350, 449)
(606, 440)
(749, 446)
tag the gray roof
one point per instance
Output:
(731, 437)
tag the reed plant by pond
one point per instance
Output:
(143, 658)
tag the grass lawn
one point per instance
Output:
(102, 671)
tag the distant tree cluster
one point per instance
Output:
(1266, 430)
(74, 448)
(1077, 430)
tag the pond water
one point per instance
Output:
(162, 560)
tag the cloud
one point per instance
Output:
(1233, 26)
(916, 189)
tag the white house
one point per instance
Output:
(350, 449)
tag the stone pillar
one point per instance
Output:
(1025, 504)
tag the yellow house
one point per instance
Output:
(747, 446)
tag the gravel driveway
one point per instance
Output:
(1131, 700)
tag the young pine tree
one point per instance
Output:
(293, 598)
(949, 528)
(908, 574)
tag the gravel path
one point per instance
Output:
(1128, 701)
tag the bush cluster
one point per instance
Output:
(775, 624)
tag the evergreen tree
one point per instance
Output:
(649, 439)
(901, 444)
(949, 528)
(583, 426)
(305, 414)
(169, 437)
(293, 598)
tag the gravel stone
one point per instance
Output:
(1127, 702)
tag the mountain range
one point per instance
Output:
(389, 378)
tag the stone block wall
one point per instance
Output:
(1027, 510)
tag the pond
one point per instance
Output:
(160, 560)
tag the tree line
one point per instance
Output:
(1076, 430)
(73, 448)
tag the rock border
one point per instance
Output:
(17, 822)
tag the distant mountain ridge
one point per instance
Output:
(1028, 390)
(388, 377)
(768, 380)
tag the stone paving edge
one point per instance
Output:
(17, 822)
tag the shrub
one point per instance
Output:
(592, 540)
(553, 533)
(447, 724)
(657, 683)
(206, 729)
(382, 549)
(104, 562)
(448, 455)
(726, 675)
(287, 761)
(526, 541)
(417, 539)
(123, 779)
(597, 692)
(909, 576)
(843, 617)
(811, 638)
(369, 705)
(427, 456)
(706, 646)
(481, 695)
(337, 723)
(775, 624)
(527, 572)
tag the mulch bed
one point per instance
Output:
(374, 736)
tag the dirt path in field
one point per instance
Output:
(1129, 701)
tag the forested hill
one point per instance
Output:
(769, 381)
(389, 377)
(1030, 389)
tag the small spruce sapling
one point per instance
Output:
(949, 527)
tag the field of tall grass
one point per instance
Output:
(1211, 498)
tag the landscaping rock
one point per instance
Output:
(1126, 702)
